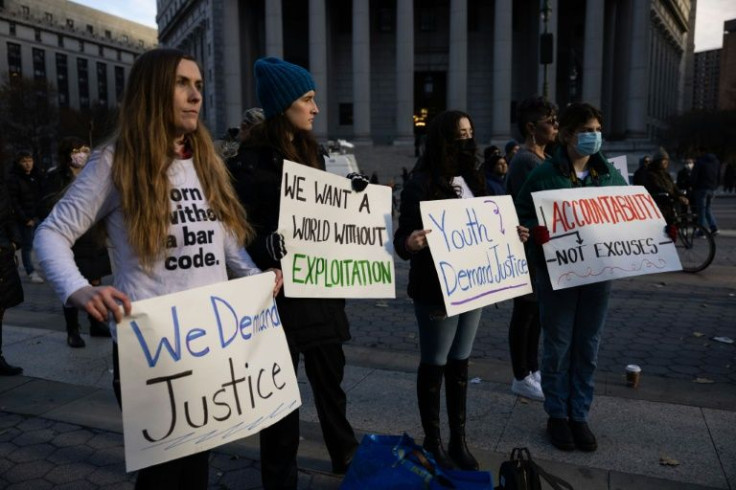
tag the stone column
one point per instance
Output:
(361, 72)
(593, 52)
(502, 44)
(231, 70)
(274, 29)
(318, 64)
(404, 72)
(457, 77)
(638, 72)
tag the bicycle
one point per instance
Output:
(694, 243)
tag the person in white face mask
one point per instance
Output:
(90, 253)
(572, 319)
(685, 180)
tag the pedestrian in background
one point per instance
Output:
(446, 170)
(660, 185)
(537, 121)
(639, 176)
(510, 150)
(90, 252)
(706, 174)
(25, 190)
(572, 319)
(11, 292)
(685, 178)
(130, 185)
(315, 327)
(251, 117)
(495, 169)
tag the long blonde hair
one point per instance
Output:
(144, 151)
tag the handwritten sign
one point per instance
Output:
(603, 233)
(201, 368)
(339, 242)
(621, 165)
(476, 250)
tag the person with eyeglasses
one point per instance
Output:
(572, 319)
(90, 252)
(537, 121)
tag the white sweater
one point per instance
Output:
(197, 251)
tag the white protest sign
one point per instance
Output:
(338, 242)
(201, 368)
(621, 165)
(603, 233)
(476, 250)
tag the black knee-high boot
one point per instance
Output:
(5, 368)
(97, 328)
(429, 387)
(456, 391)
(71, 316)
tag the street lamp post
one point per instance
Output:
(546, 43)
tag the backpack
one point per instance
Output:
(520, 472)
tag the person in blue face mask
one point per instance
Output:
(572, 319)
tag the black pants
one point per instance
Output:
(325, 367)
(524, 331)
(187, 473)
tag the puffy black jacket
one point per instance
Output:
(257, 180)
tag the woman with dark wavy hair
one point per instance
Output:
(448, 169)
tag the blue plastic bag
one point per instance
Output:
(397, 462)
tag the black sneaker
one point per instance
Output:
(714, 231)
(559, 434)
(583, 437)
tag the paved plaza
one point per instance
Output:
(60, 426)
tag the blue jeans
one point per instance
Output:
(442, 337)
(704, 198)
(572, 323)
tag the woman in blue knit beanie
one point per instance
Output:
(314, 327)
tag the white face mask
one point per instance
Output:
(689, 166)
(79, 159)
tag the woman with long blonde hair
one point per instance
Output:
(157, 176)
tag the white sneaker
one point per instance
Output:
(528, 388)
(537, 375)
(35, 278)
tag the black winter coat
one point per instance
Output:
(257, 180)
(25, 194)
(706, 172)
(11, 289)
(424, 283)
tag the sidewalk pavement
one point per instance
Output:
(60, 426)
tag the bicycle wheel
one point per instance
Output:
(695, 247)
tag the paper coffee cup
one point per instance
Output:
(633, 375)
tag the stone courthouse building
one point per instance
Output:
(378, 63)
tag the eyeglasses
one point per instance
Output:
(81, 149)
(552, 121)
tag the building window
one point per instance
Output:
(12, 28)
(90, 29)
(125, 38)
(102, 83)
(39, 64)
(141, 44)
(14, 61)
(83, 77)
(62, 80)
(26, 11)
(70, 23)
(48, 17)
(81, 46)
(108, 34)
(37, 35)
(101, 50)
(119, 82)
(61, 41)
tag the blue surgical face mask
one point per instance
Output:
(589, 143)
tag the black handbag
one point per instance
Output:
(520, 472)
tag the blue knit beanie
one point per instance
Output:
(279, 83)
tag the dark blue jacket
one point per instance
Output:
(706, 172)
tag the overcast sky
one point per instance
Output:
(709, 17)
